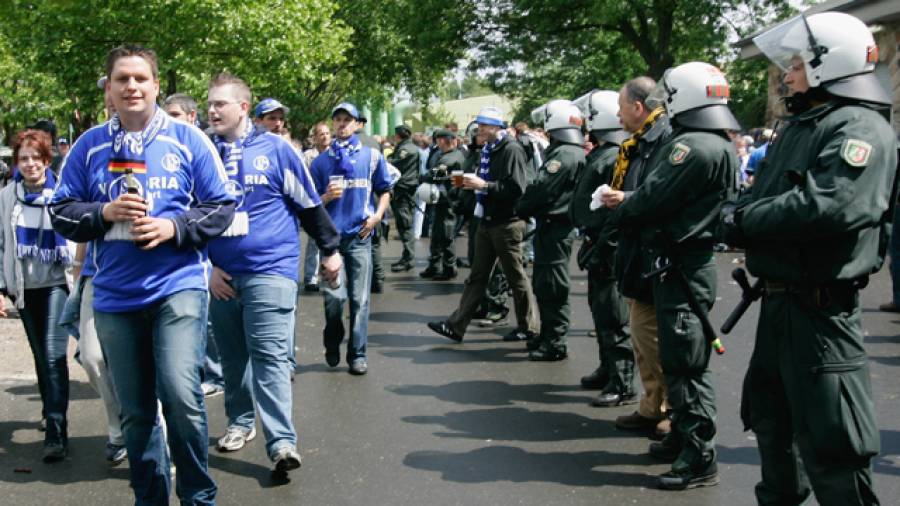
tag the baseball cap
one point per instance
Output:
(443, 132)
(267, 105)
(403, 130)
(346, 107)
(63, 140)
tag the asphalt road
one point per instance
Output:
(435, 422)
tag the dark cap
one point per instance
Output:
(362, 119)
(402, 130)
(443, 132)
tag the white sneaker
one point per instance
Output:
(235, 438)
(286, 458)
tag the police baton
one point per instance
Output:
(749, 294)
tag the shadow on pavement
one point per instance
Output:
(427, 288)
(78, 391)
(444, 355)
(519, 424)
(504, 463)
(401, 317)
(86, 461)
(262, 474)
(495, 393)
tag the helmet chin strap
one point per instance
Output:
(804, 101)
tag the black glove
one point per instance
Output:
(730, 217)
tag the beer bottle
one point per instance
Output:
(132, 187)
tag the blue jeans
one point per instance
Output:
(49, 341)
(894, 251)
(157, 352)
(212, 362)
(357, 277)
(311, 262)
(253, 332)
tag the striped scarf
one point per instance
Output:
(629, 148)
(485, 173)
(232, 154)
(340, 151)
(35, 237)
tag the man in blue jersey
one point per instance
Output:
(346, 175)
(148, 192)
(254, 278)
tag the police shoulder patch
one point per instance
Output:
(856, 152)
(403, 154)
(679, 153)
(553, 166)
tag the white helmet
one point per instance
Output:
(562, 120)
(695, 95)
(601, 109)
(428, 193)
(837, 50)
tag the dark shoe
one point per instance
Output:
(115, 454)
(889, 307)
(612, 399)
(666, 450)
(311, 288)
(595, 380)
(547, 355)
(532, 343)
(377, 288)
(286, 459)
(332, 357)
(446, 275)
(636, 421)
(428, 273)
(401, 266)
(443, 328)
(54, 452)
(463, 262)
(682, 478)
(359, 367)
(516, 335)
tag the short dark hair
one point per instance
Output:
(127, 50)
(38, 138)
(224, 78)
(639, 88)
(184, 101)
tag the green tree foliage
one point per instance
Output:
(538, 50)
(308, 53)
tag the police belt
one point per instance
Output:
(821, 293)
(555, 219)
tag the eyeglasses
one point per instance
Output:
(218, 104)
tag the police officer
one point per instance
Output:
(814, 226)
(446, 160)
(677, 208)
(406, 158)
(548, 199)
(615, 375)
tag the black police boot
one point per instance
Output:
(668, 449)
(703, 472)
(446, 275)
(429, 272)
(548, 354)
(595, 380)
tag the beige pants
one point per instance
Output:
(646, 353)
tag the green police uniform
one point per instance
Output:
(815, 226)
(676, 208)
(548, 199)
(442, 258)
(597, 255)
(403, 200)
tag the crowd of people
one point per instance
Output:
(173, 254)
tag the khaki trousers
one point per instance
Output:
(644, 337)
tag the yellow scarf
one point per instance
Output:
(628, 149)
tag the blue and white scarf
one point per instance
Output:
(484, 172)
(232, 154)
(129, 149)
(340, 151)
(35, 237)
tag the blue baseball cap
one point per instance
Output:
(267, 105)
(346, 107)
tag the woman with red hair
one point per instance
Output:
(34, 258)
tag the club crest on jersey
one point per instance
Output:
(261, 163)
(170, 162)
(856, 152)
(679, 153)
